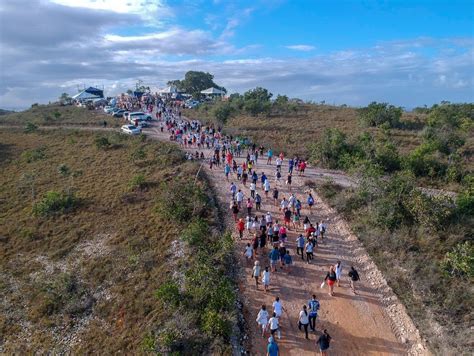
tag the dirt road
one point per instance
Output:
(372, 322)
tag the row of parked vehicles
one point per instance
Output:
(137, 119)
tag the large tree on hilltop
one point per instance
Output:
(194, 82)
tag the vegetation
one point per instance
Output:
(101, 275)
(378, 114)
(194, 82)
(421, 243)
(58, 114)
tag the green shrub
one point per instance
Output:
(33, 155)
(55, 202)
(30, 127)
(149, 343)
(215, 324)
(181, 201)
(465, 199)
(169, 293)
(137, 182)
(64, 170)
(102, 143)
(332, 146)
(196, 232)
(460, 261)
(222, 113)
(377, 114)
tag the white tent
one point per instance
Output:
(168, 90)
(84, 95)
(212, 91)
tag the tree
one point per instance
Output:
(377, 114)
(257, 101)
(331, 149)
(222, 113)
(194, 82)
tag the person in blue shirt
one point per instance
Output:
(274, 258)
(313, 306)
(272, 347)
(254, 177)
(291, 163)
(269, 155)
(300, 242)
(263, 178)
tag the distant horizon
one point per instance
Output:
(408, 53)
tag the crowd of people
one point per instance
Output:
(268, 247)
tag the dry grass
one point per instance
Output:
(59, 115)
(294, 133)
(82, 281)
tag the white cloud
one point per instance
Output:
(301, 47)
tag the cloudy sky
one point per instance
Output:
(406, 52)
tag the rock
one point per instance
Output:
(404, 340)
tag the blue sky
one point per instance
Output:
(404, 52)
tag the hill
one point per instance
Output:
(94, 253)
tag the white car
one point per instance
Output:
(131, 130)
(138, 115)
(109, 109)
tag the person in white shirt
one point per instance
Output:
(248, 252)
(253, 188)
(268, 218)
(277, 307)
(262, 319)
(274, 325)
(338, 270)
(283, 204)
(303, 321)
(266, 279)
(266, 187)
(256, 272)
(239, 196)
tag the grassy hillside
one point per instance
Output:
(97, 248)
(56, 114)
(294, 132)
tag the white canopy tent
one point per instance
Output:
(168, 90)
(84, 95)
(212, 91)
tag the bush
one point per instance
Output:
(169, 293)
(460, 261)
(34, 155)
(377, 114)
(64, 170)
(222, 113)
(30, 127)
(214, 324)
(331, 148)
(196, 232)
(55, 202)
(181, 201)
(137, 182)
(102, 143)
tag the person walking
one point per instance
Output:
(274, 258)
(253, 187)
(258, 202)
(309, 251)
(354, 276)
(248, 253)
(274, 324)
(256, 272)
(330, 279)
(300, 246)
(272, 347)
(262, 319)
(241, 228)
(303, 321)
(338, 270)
(275, 196)
(310, 201)
(314, 306)
(266, 279)
(235, 210)
(323, 342)
(249, 206)
(266, 187)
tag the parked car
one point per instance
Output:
(138, 114)
(131, 130)
(141, 122)
(108, 109)
(119, 113)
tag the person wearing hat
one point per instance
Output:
(272, 347)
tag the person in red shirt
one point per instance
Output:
(240, 228)
(310, 230)
(302, 168)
